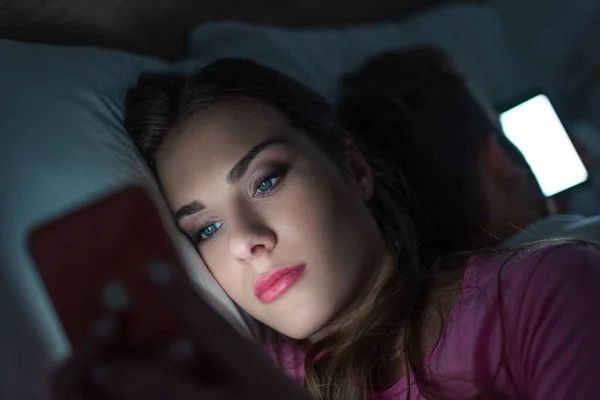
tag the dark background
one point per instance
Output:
(159, 27)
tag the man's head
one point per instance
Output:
(415, 109)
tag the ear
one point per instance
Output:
(360, 170)
(498, 164)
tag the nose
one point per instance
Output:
(249, 238)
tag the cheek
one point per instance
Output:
(306, 211)
(321, 218)
(344, 233)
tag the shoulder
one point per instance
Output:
(557, 282)
(537, 310)
(541, 279)
(552, 315)
(565, 276)
(544, 267)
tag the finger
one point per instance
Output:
(128, 381)
(225, 346)
(205, 325)
(69, 375)
(180, 352)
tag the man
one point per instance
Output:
(416, 111)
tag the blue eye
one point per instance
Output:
(268, 184)
(209, 231)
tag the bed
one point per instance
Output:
(62, 107)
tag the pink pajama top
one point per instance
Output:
(549, 301)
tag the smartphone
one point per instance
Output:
(93, 263)
(534, 127)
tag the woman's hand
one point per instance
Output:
(131, 381)
(97, 370)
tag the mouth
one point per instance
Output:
(275, 283)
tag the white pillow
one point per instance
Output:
(472, 33)
(63, 144)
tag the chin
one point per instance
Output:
(300, 328)
(300, 332)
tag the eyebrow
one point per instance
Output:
(234, 175)
(240, 167)
(189, 209)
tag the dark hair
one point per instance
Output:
(161, 103)
(344, 364)
(415, 109)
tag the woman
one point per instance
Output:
(307, 234)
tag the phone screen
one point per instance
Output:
(535, 129)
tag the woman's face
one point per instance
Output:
(284, 231)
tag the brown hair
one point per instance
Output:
(345, 364)
(415, 108)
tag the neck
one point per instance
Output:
(365, 298)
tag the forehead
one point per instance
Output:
(227, 127)
(211, 142)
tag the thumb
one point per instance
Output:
(72, 375)
(247, 365)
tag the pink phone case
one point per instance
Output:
(96, 258)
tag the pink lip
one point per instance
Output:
(274, 283)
